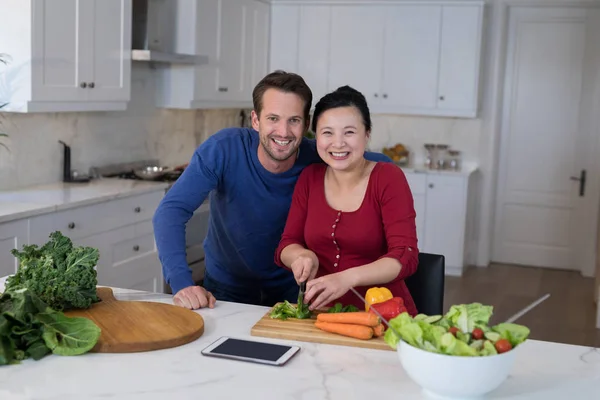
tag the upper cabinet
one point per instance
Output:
(234, 34)
(65, 55)
(405, 57)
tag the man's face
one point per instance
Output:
(281, 124)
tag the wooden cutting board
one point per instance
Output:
(304, 330)
(134, 326)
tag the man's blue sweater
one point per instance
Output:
(248, 211)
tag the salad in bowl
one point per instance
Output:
(456, 355)
(463, 331)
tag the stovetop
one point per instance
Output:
(125, 171)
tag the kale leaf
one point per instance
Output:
(61, 274)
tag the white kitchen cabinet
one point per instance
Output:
(128, 257)
(406, 57)
(65, 55)
(308, 26)
(356, 49)
(13, 235)
(235, 37)
(445, 205)
(121, 229)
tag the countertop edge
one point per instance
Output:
(41, 209)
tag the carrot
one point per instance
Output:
(358, 318)
(351, 330)
(379, 330)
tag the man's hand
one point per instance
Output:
(305, 266)
(194, 297)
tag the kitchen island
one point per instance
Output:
(544, 370)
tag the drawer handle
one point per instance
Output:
(431, 185)
(71, 225)
(136, 247)
(137, 209)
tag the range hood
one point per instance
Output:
(153, 40)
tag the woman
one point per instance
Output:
(359, 230)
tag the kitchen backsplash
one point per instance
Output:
(144, 131)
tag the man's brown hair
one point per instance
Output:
(287, 82)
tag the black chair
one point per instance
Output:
(427, 284)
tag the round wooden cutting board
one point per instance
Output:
(134, 326)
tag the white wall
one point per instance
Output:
(414, 132)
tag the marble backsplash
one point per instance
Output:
(144, 131)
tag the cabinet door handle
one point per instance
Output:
(385, 95)
(91, 85)
(71, 225)
(376, 95)
(83, 85)
(136, 247)
(137, 209)
(442, 98)
(223, 89)
(431, 185)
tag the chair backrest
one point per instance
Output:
(427, 284)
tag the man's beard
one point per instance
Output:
(266, 145)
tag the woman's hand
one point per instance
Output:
(305, 266)
(327, 289)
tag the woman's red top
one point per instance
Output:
(383, 226)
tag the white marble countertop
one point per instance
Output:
(543, 370)
(34, 200)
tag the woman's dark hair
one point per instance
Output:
(344, 96)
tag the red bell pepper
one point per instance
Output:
(390, 308)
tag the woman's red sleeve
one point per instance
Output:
(398, 215)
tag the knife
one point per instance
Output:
(375, 311)
(301, 294)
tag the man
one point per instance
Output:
(250, 176)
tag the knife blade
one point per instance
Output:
(301, 293)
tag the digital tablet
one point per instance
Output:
(251, 351)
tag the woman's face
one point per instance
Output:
(341, 137)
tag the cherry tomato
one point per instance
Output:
(477, 334)
(502, 346)
(453, 330)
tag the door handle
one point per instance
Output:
(581, 180)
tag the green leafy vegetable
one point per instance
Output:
(287, 310)
(29, 328)
(462, 331)
(302, 311)
(339, 308)
(62, 275)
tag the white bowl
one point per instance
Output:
(455, 377)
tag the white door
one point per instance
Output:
(110, 39)
(542, 143)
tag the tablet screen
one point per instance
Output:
(250, 349)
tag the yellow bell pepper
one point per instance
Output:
(377, 295)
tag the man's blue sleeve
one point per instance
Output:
(374, 156)
(202, 175)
